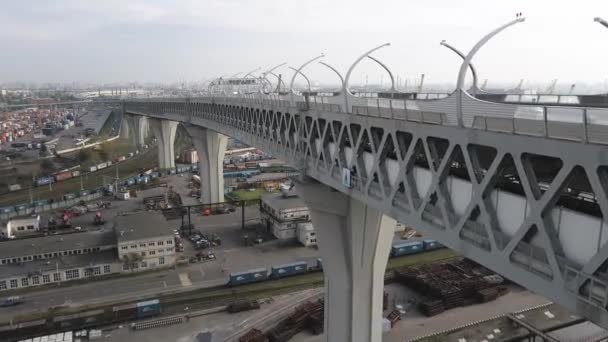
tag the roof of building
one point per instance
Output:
(141, 225)
(60, 263)
(279, 202)
(55, 243)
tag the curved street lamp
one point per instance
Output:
(269, 71)
(279, 81)
(601, 21)
(390, 74)
(459, 53)
(293, 78)
(467, 60)
(350, 70)
(305, 77)
(251, 72)
(335, 71)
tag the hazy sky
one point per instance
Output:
(193, 40)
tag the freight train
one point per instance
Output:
(86, 319)
(282, 271)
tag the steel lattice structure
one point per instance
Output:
(444, 180)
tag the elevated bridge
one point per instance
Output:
(517, 186)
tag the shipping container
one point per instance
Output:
(430, 245)
(40, 203)
(63, 176)
(14, 187)
(21, 207)
(75, 173)
(109, 163)
(119, 159)
(93, 168)
(69, 196)
(148, 308)
(407, 248)
(102, 166)
(289, 269)
(131, 154)
(247, 277)
(125, 312)
(45, 180)
(7, 210)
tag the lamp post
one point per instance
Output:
(459, 53)
(270, 71)
(303, 75)
(601, 21)
(390, 74)
(335, 71)
(467, 60)
(345, 85)
(297, 71)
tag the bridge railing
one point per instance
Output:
(587, 125)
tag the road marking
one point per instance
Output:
(202, 272)
(185, 280)
(164, 284)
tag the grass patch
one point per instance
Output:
(247, 194)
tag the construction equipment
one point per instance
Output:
(98, 220)
(551, 87)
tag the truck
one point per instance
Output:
(11, 301)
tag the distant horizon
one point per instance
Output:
(165, 42)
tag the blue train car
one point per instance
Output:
(194, 167)
(148, 308)
(7, 210)
(289, 269)
(40, 203)
(172, 171)
(154, 174)
(20, 207)
(247, 277)
(130, 181)
(407, 248)
(45, 180)
(430, 245)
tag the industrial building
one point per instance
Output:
(143, 243)
(65, 257)
(20, 226)
(282, 212)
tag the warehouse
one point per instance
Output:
(57, 258)
(281, 213)
(144, 242)
(20, 227)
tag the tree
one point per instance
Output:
(130, 259)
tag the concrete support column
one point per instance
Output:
(164, 131)
(124, 128)
(138, 128)
(354, 242)
(210, 147)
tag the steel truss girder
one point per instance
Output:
(304, 139)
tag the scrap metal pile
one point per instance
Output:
(308, 315)
(451, 284)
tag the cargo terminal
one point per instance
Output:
(65, 257)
